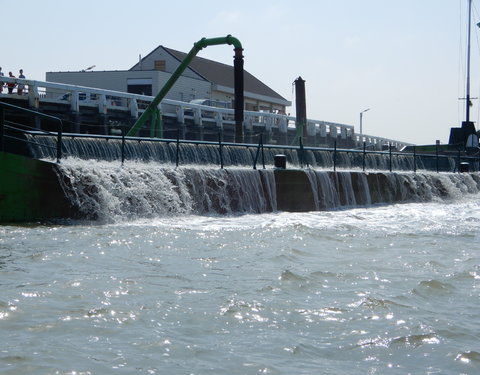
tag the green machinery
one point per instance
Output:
(153, 114)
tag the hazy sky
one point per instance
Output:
(404, 59)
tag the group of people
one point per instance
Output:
(11, 85)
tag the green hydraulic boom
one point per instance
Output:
(152, 112)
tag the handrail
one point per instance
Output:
(34, 95)
(4, 105)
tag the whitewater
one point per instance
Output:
(185, 271)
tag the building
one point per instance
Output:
(203, 79)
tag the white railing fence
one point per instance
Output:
(104, 100)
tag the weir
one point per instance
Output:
(108, 192)
(208, 153)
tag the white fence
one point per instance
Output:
(104, 100)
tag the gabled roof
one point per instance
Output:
(222, 74)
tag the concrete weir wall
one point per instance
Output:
(29, 190)
(294, 191)
(34, 190)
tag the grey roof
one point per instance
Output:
(222, 74)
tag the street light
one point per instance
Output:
(361, 115)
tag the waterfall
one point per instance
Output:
(44, 147)
(106, 191)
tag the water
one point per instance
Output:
(374, 290)
(147, 150)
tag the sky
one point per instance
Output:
(403, 59)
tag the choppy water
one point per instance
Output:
(380, 290)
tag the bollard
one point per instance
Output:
(280, 161)
(464, 167)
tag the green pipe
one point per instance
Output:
(197, 47)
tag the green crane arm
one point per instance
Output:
(197, 47)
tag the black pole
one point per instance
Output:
(59, 142)
(414, 159)
(123, 145)
(364, 156)
(436, 156)
(335, 156)
(257, 153)
(239, 100)
(220, 149)
(458, 162)
(467, 110)
(177, 152)
(300, 147)
(263, 154)
(390, 152)
(300, 106)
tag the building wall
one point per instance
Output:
(171, 63)
(185, 89)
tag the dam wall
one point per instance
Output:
(104, 191)
(107, 192)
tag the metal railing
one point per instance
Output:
(21, 128)
(9, 128)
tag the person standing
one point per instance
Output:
(20, 86)
(10, 85)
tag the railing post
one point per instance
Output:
(300, 146)
(458, 162)
(220, 149)
(263, 155)
(364, 155)
(178, 148)
(59, 142)
(436, 156)
(260, 144)
(123, 145)
(2, 127)
(390, 152)
(335, 156)
(415, 159)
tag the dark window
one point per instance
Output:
(140, 89)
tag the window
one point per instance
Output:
(142, 86)
(159, 65)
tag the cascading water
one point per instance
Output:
(44, 147)
(105, 191)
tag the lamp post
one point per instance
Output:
(361, 116)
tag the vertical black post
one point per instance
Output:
(123, 145)
(364, 156)
(238, 82)
(2, 127)
(436, 156)
(257, 153)
(390, 152)
(263, 155)
(177, 151)
(415, 159)
(300, 147)
(458, 162)
(59, 142)
(335, 156)
(220, 149)
(301, 107)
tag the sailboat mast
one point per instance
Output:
(467, 112)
